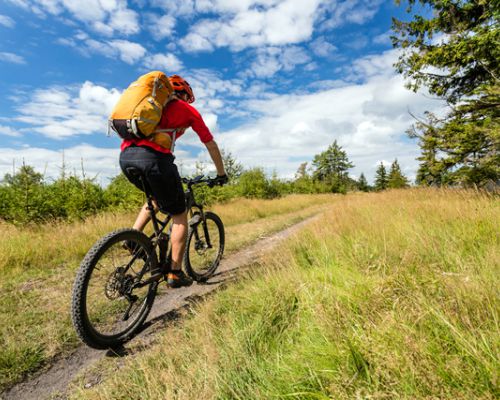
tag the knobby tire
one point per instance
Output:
(201, 262)
(91, 265)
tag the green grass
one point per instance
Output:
(38, 265)
(391, 295)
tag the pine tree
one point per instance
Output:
(301, 171)
(396, 179)
(303, 182)
(462, 68)
(232, 167)
(363, 183)
(331, 166)
(26, 187)
(381, 179)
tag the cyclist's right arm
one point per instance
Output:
(199, 126)
(216, 157)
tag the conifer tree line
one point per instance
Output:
(454, 53)
(26, 196)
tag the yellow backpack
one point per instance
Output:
(139, 110)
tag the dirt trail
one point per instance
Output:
(53, 382)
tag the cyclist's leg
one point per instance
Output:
(167, 189)
(178, 239)
(144, 216)
(176, 277)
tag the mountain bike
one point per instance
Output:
(117, 281)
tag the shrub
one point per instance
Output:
(254, 184)
(121, 194)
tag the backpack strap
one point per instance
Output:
(174, 134)
(173, 96)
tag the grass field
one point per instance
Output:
(38, 265)
(390, 295)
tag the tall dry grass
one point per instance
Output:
(38, 265)
(391, 295)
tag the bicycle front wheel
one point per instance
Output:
(111, 298)
(204, 247)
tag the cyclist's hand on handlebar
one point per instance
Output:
(219, 180)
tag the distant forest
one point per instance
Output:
(26, 196)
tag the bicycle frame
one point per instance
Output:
(159, 226)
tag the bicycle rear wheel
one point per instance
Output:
(108, 305)
(204, 247)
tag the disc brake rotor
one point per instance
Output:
(118, 284)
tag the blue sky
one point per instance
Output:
(277, 81)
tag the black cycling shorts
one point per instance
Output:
(162, 177)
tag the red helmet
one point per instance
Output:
(181, 85)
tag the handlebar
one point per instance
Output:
(211, 182)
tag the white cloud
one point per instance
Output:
(176, 7)
(266, 63)
(124, 21)
(322, 48)
(245, 24)
(373, 65)
(12, 58)
(165, 62)
(102, 28)
(357, 41)
(58, 113)
(383, 38)
(213, 93)
(8, 131)
(7, 21)
(195, 41)
(368, 120)
(338, 13)
(161, 27)
(129, 52)
(104, 16)
(270, 60)
(256, 23)
(228, 6)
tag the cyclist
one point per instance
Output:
(154, 157)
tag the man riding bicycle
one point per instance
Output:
(153, 157)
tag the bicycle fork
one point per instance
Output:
(194, 222)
